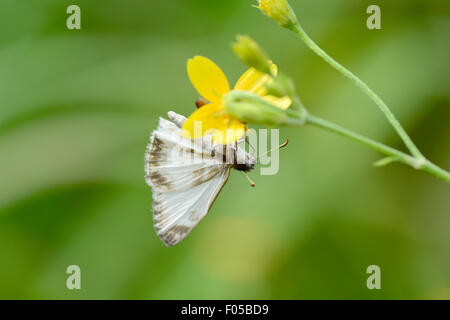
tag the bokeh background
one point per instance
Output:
(77, 109)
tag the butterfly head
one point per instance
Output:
(244, 161)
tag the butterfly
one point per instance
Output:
(187, 175)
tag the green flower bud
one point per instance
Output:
(280, 11)
(281, 86)
(251, 54)
(251, 108)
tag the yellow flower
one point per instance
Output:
(212, 84)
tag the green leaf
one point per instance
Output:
(385, 161)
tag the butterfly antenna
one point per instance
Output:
(276, 148)
(250, 180)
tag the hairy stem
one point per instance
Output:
(419, 164)
(433, 169)
(364, 87)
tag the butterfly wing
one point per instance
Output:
(185, 180)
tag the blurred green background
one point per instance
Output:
(77, 109)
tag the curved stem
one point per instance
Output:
(419, 164)
(364, 87)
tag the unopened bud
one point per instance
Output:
(280, 11)
(251, 108)
(251, 54)
(281, 86)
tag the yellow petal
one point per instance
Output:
(211, 120)
(282, 103)
(254, 81)
(207, 78)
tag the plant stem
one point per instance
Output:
(364, 87)
(436, 171)
(419, 164)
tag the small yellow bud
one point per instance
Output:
(251, 54)
(280, 11)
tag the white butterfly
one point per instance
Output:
(186, 176)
